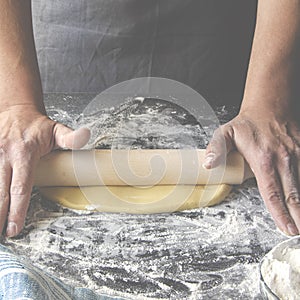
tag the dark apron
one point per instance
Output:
(88, 46)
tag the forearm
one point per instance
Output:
(272, 64)
(20, 82)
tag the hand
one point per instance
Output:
(25, 136)
(270, 143)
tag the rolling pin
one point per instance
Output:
(136, 168)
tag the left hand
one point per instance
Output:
(25, 136)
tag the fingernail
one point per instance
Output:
(292, 229)
(209, 160)
(11, 229)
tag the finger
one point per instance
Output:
(270, 187)
(20, 192)
(5, 178)
(288, 171)
(70, 139)
(218, 148)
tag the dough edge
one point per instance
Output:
(137, 200)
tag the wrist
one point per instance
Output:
(270, 104)
(21, 87)
(280, 111)
(270, 91)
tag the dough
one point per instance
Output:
(128, 199)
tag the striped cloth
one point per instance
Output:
(20, 280)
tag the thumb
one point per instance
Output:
(68, 138)
(220, 145)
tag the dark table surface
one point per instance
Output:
(209, 253)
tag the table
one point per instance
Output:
(209, 253)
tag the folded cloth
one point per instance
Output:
(20, 280)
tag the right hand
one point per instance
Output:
(270, 143)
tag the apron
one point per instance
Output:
(90, 45)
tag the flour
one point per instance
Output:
(148, 123)
(281, 272)
(211, 253)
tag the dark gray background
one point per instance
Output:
(88, 46)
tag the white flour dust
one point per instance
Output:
(209, 253)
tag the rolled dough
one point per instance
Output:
(129, 199)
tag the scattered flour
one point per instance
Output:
(212, 253)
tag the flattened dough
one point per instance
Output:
(128, 199)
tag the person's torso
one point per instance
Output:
(87, 46)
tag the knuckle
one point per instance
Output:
(293, 199)
(19, 190)
(274, 197)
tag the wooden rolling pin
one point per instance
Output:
(136, 168)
